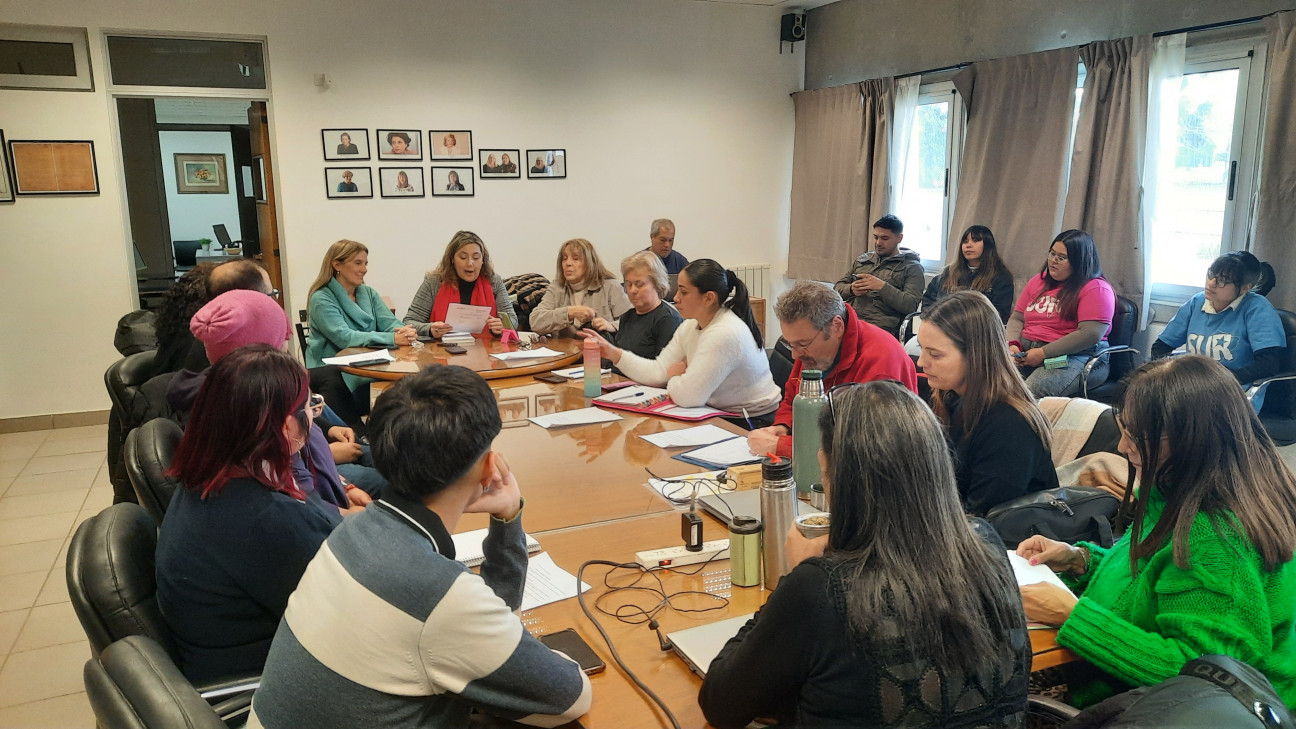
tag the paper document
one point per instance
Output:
(527, 354)
(636, 395)
(458, 338)
(467, 318)
(575, 373)
(546, 582)
(373, 357)
(470, 549)
(679, 489)
(725, 453)
(676, 411)
(583, 416)
(1028, 574)
(695, 436)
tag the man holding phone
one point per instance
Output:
(386, 628)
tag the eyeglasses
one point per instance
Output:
(1057, 258)
(832, 410)
(274, 293)
(314, 405)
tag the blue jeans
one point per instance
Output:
(1065, 381)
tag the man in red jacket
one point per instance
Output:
(826, 335)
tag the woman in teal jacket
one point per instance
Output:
(1206, 565)
(344, 312)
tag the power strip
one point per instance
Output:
(680, 556)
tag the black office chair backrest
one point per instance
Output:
(134, 684)
(149, 449)
(186, 252)
(1124, 325)
(781, 363)
(1280, 398)
(111, 579)
(125, 376)
(303, 330)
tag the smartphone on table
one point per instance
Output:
(570, 644)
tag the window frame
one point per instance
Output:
(932, 93)
(1248, 56)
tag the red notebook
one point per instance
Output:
(655, 401)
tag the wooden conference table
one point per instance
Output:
(477, 358)
(587, 498)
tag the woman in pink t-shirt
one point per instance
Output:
(1065, 310)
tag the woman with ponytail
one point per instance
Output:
(717, 356)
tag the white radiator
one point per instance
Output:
(756, 276)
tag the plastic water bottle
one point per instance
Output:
(593, 369)
(810, 400)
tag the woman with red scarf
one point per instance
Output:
(465, 276)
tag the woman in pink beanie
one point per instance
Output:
(239, 318)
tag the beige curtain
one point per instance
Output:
(839, 175)
(1103, 196)
(1275, 222)
(1015, 153)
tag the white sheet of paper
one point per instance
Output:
(695, 436)
(546, 582)
(360, 357)
(726, 453)
(679, 489)
(583, 416)
(634, 395)
(467, 318)
(1028, 574)
(697, 412)
(575, 373)
(527, 354)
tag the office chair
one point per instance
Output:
(186, 254)
(148, 453)
(1045, 713)
(303, 331)
(1279, 412)
(129, 408)
(113, 588)
(1122, 359)
(781, 363)
(134, 684)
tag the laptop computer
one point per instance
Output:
(725, 506)
(699, 646)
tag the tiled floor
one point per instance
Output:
(50, 481)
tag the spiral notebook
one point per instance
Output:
(468, 546)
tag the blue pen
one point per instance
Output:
(621, 396)
(748, 419)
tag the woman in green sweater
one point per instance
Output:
(1206, 565)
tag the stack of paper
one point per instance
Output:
(527, 354)
(583, 416)
(721, 455)
(546, 582)
(461, 338)
(361, 358)
(696, 436)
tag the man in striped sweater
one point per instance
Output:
(386, 628)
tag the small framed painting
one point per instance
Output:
(53, 167)
(400, 144)
(499, 163)
(451, 144)
(344, 182)
(201, 174)
(345, 144)
(400, 182)
(546, 163)
(452, 181)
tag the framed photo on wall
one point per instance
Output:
(499, 163)
(452, 181)
(546, 163)
(348, 144)
(450, 144)
(345, 182)
(400, 144)
(6, 179)
(53, 167)
(201, 174)
(400, 182)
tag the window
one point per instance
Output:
(44, 57)
(926, 195)
(186, 62)
(1207, 170)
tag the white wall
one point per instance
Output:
(666, 108)
(193, 215)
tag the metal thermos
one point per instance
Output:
(778, 499)
(745, 551)
(810, 400)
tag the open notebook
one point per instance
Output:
(654, 401)
(468, 546)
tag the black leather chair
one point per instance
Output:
(1279, 412)
(186, 254)
(1121, 357)
(1045, 713)
(149, 449)
(123, 380)
(303, 331)
(134, 684)
(781, 363)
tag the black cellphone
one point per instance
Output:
(552, 378)
(454, 349)
(574, 647)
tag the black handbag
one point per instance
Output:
(1067, 514)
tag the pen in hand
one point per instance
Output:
(748, 419)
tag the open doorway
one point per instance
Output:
(196, 186)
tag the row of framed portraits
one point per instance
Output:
(406, 145)
(342, 183)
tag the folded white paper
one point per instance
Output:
(583, 416)
(695, 436)
(1029, 574)
(527, 354)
